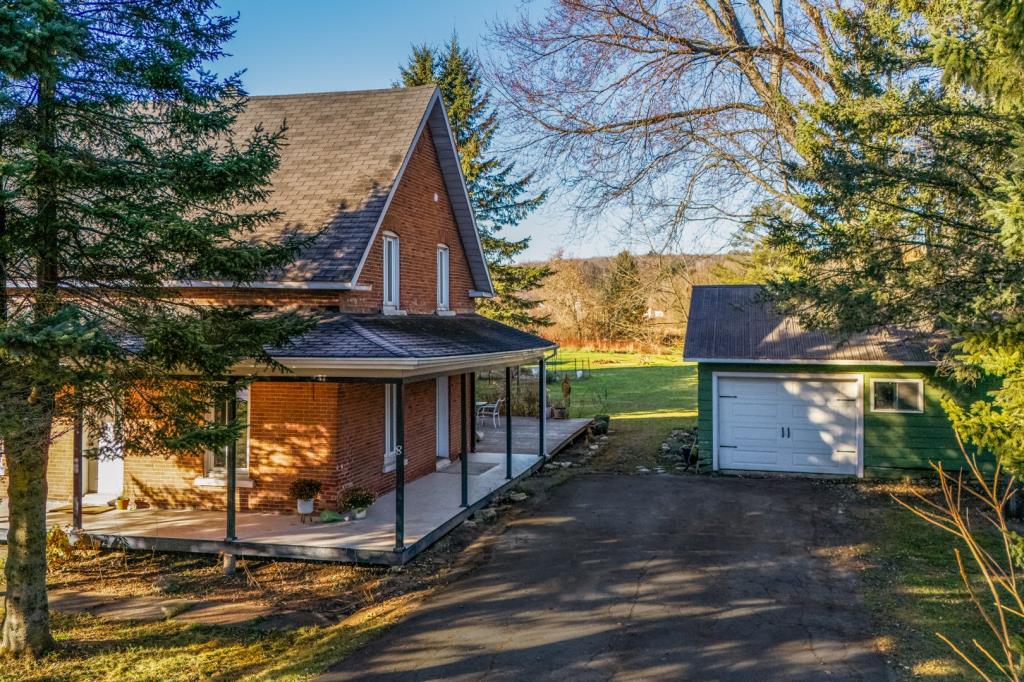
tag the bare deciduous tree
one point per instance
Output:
(665, 112)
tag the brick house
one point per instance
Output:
(393, 275)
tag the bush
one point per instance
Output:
(304, 488)
(356, 498)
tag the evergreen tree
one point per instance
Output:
(500, 197)
(624, 299)
(912, 195)
(118, 175)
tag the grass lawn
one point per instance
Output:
(646, 395)
(914, 590)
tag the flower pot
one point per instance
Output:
(360, 513)
(304, 506)
(559, 413)
(121, 503)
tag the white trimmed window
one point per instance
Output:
(442, 277)
(391, 276)
(217, 459)
(390, 425)
(897, 395)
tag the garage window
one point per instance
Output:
(897, 395)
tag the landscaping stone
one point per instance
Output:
(223, 613)
(517, 496)
(142, 608)
(487, 515)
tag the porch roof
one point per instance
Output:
(373, 344)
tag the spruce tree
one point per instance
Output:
(500, 197)
(623, 299)
(119, 175)
(912, 194)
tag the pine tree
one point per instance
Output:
(624, 300)
(499, 196)
(118, 175)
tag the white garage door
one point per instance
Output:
(788, 424)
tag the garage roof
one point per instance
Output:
(736, 323)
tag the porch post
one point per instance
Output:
(232, 456)
(76, 480)
(399, 466)
(463, 454)
(472, 414)
(542, 404)
(508, 422)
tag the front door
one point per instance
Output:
(442, 417)
(106, 475)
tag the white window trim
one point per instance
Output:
(444, 289)
(389, 428)
(396, 272)
(216, 477)
(920, 396)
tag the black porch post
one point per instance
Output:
(472, 414)
(542, 404)
(508, 422)
(399, 389)
(463, 454)
(77, 475)
(232, 457)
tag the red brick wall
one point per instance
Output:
(361, 452)
(332, 432)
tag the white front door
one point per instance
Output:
(806, 425)
(442, 417)
(110, 470)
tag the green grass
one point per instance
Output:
(646, 395)
(914, 590)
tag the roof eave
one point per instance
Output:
(845, 362)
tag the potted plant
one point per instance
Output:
(356, 499)
(121, 502)
(304, 491)
(559, 411)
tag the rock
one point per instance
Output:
(166, 584)
(470, 524)
(398, 569)
(517, 496)
(487, 515)
(666, 447)
(595, 447)
(643, 470)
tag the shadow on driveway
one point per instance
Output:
(655, 577)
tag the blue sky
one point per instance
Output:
(321, 45)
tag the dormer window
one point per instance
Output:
(442, 277)
(391, 278)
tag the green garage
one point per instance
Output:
(773, 397)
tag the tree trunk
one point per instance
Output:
(26, 627)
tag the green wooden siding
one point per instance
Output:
(893, 442)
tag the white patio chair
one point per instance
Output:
(492, 410)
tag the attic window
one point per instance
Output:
(391, 278)
(442, 277)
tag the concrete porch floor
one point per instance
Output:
(432, 509)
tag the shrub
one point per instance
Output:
(304, 488)
(356, 498)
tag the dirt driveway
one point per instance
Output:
(649, 577)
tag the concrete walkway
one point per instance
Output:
(653, 578)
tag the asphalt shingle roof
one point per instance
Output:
(736, 323)
(347, 335)
(339, 161)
